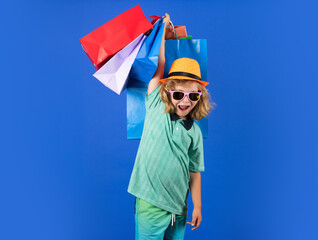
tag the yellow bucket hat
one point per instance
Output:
(185, 69)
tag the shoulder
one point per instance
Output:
(153, 99)
(196, 129)
(196, 134)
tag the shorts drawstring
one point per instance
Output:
(173, 219)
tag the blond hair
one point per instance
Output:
(202, 108)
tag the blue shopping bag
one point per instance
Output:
(146, 62)
(137, 90)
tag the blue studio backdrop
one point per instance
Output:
(65, 161)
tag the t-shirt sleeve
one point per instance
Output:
(153, 99)
(196, 153)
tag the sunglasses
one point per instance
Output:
(192, 96)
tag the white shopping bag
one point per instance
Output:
(114, 74)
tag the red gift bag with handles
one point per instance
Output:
(105, 41)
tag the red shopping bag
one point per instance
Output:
(171, 32)
(105, 41)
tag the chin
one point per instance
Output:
(181, 114)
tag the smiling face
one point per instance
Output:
(184, 107)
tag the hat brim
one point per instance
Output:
(184, 78)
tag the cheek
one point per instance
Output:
(194, 104)
(174, 103)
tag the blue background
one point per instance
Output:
(65, 159)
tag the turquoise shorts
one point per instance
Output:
(153, 223)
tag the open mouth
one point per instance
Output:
(183, 108)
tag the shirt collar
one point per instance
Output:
(187, 123)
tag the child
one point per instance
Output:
(170, 154)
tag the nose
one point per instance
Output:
(186, 99)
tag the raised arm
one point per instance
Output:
(161, 60)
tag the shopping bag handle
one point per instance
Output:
(175, 32)
(156, 18)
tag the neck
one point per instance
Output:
(183, 118)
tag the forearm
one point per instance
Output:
(161, 60)
(195, 188)
(161, 57)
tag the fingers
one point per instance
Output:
(166, 18)
(193, 224)
(196, 221)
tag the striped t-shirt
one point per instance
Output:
(166, 154)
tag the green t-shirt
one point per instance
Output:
(168, 150)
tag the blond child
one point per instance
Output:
(170, 154)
